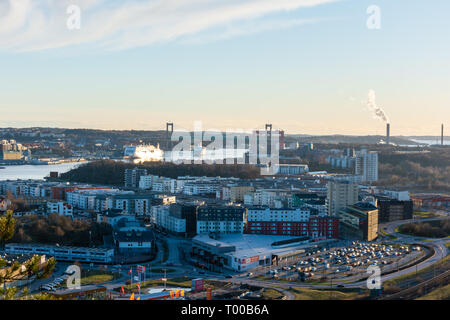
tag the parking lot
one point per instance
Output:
(345, 263)
(55, 284)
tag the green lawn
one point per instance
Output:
(425, 214)
(177, 282)
(438, 294)
(271, 294)
(342, 294)
(96, 277)
(390, 237)
(413, 274)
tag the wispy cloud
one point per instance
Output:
(29, 25)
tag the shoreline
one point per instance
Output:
(43, 163)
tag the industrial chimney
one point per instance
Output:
(442, 134)
(388, 133)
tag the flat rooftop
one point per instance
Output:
(49, 246)
(249, 245)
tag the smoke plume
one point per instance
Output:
(377, 111)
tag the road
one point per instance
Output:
(181, 268)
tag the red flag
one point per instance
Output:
(139, 286)
(131, 271)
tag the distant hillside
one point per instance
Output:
(348, 139)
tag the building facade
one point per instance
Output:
(291, 222)
(393, 210)
(215, 219)
(359, 222)
(133, 176)
(63, 253)
(339, 195)
(366, 165)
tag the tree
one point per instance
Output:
(7, 227)
(48, 269)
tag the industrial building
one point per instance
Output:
(246, 252)
(63, 253)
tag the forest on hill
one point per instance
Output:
(423, 172)
(59, 229)
(112, 172)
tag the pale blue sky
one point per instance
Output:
(306, 70)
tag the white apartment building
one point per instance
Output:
(176, 186)
(59, 207)
(33, 188)
(268, 198)
(86, 199)
(224, 193)
(220, 227)
(145, 182)
(198, 188)
(366, 165)
(158, 214)
(161, 184)
(399, 195)
(278, 215)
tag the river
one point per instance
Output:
(431, 142)
(34, 171)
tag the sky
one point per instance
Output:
(306, 66)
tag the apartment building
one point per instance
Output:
(339, 195)
(220, 219)
(133, 176)
(237, 192)
(291, 222)
(366, 165)
(60, 207)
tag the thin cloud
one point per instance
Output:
(30, 25)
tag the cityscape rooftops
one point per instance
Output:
(134, 236)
